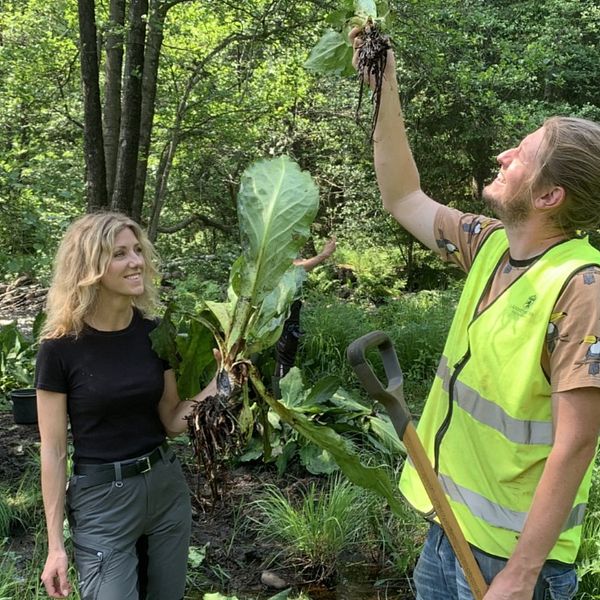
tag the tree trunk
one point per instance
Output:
(154, 42)
(160, 191)
(112, 89)
(95, 166)
(122, 197)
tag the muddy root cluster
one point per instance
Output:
(372, 59)
(214, 430)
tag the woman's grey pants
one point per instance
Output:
(107, 520)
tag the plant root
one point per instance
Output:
(213, 427)
(372, 60)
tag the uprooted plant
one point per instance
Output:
(277, 202)
(276, 205)
(333, 52)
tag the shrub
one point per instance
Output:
(589, 553)
(416, 323)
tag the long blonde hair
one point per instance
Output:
(81, 260)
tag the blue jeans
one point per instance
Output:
(439, 576)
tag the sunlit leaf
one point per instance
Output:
(365, 8)
(277, 202)
(331, 55)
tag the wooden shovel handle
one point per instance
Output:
(450, 525)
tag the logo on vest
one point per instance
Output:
(521, 311)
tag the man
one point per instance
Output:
(512, 420)
(287, 345)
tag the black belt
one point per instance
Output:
(89, 475)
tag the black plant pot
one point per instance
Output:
(24, 406)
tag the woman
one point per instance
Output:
(96, 369)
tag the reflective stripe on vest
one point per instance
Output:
(517, 430)
(490, 409)
(497, 515)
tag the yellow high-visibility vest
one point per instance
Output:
(487, 425)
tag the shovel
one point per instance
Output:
(392, 399)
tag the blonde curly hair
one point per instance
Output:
(82, 259)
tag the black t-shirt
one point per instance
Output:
(113, 381)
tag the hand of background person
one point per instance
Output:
(329, 247)
(54, 576)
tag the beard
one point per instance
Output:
(512, 212)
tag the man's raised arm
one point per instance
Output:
(397, 173)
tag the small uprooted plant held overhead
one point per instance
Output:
(333, 52)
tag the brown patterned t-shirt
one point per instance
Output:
(571, 356)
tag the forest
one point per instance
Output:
(165, 110)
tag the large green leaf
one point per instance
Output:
(164, 337)
(332, 54)
(266, 324)
(277, 202)
(197, 359)
(343, 452)
(189, 352)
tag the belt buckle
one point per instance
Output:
(145, 464)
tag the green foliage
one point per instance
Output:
(339, 447)
(40, 184)
(376, 272)
(417, 324)
(474, 77)
(8, 575)
(324, 404)
(276, 204)
(400, 539)
(20, 502)
(315, 529)
(494, 72)
(17, 356)
(6, 516)
(20, 575)
(333, 53)
(588, 559)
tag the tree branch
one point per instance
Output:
(207, 221)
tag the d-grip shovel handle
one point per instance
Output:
(392, 398)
